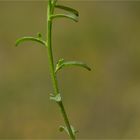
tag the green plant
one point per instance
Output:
(56, 96)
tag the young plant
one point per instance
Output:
(56, 95)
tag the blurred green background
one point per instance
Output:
(103, 103)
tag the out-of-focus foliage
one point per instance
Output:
(107, 37)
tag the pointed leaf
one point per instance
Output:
(62, 63)
(29, 38)
(70, 16)
(69, 9)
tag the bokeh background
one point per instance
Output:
(101, 104)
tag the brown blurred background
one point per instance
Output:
(103, 103)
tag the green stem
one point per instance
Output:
(52, 70)
(66, 120)
(50, 55)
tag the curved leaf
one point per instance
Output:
(62, 63)
(70, 16)
(69, 9)
(29, 38)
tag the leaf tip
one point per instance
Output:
(17, 43)
(88, 68)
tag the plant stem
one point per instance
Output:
(50, 54)
(66, 120)
(52, 71)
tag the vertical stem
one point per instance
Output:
(50, 55)
(52, 71)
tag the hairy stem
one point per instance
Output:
(52, 70)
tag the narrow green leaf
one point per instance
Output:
(69, 9)
(61, 64)
(69, 16)
(56, 98)
(29, 38)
